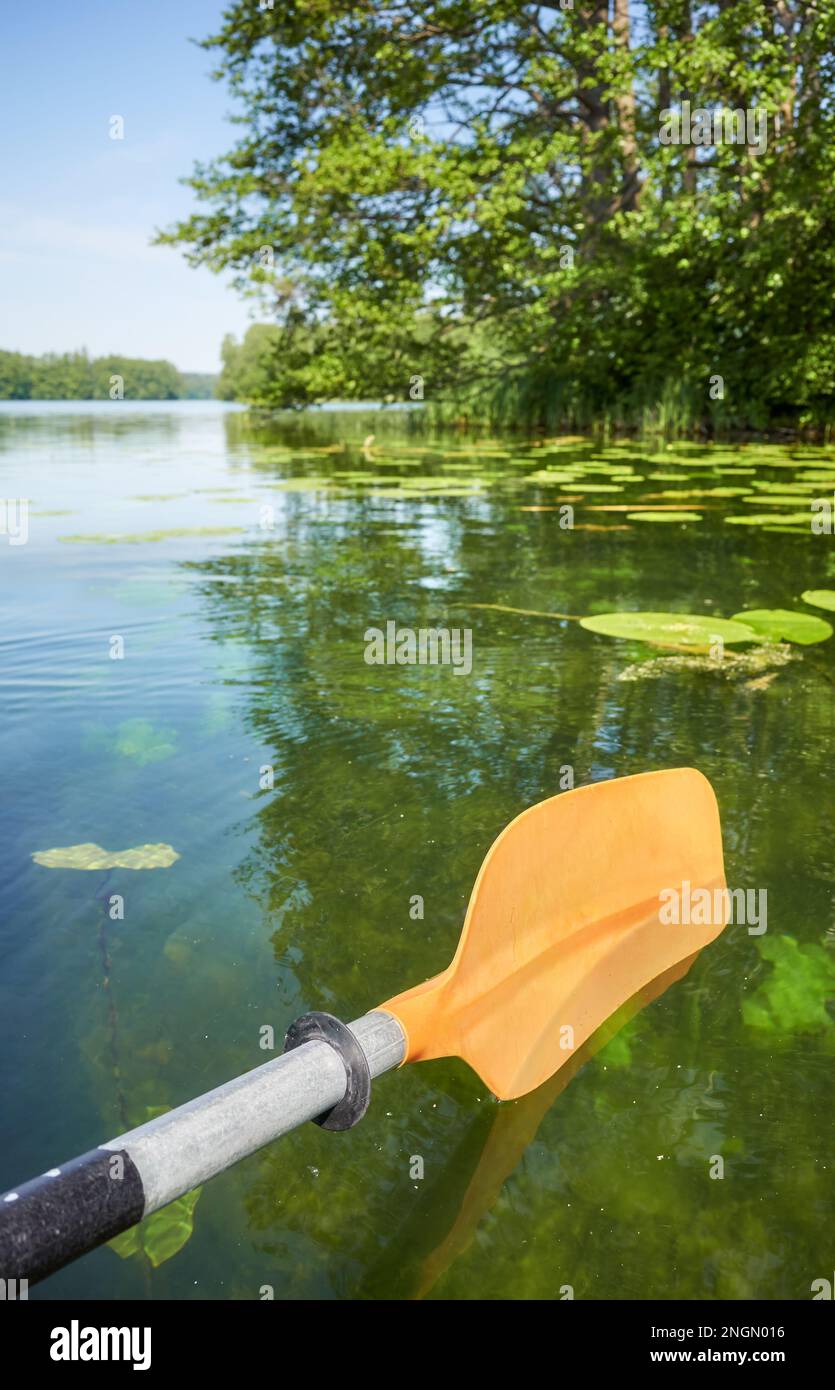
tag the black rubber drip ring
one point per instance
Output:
(319, 1027)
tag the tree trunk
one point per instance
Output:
(625, 107)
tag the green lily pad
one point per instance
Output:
(91, 856)
(793, 998)
(773, 499)
(158, 496)
(425, 482)
(663, 516)
(820, 598)
(303, 484)
(161, 1235)
(406, 494)
(771, 519)
(780, 625)
(682, 493)
(546, 476)
(669, 629)
(143, 537)
(579, 485)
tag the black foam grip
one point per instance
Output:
(67, 1211)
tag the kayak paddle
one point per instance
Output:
(563, 927)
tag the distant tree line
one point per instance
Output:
(74, 376)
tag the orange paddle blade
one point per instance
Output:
(568, 918)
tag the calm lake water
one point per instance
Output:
(241, 566)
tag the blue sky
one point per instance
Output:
(77, 209)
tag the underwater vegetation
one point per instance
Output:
(753, 666)
(793, 998)
(136, 739)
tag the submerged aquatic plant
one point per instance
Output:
(137, 739)
(731, 665)
(161, 1235)
(793, 999)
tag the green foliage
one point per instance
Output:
(73, 376)
(479, 196)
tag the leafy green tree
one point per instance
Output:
(248, 366)
(483, 196)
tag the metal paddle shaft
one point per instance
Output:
(78, 1205)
